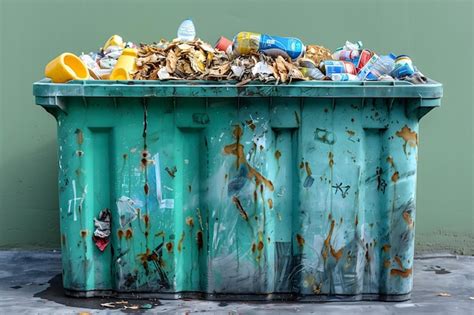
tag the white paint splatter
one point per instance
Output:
(156, 159)
(167, 204)
(126, 210)
(164, 203)
(75, 199)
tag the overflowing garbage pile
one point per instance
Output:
(248, 57)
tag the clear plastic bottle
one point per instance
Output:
(312, 73)
(186, 31)
(343, 77)
(346, 55)
(384, 65)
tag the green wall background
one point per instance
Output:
(438, 35)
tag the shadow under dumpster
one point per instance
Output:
(55, 293)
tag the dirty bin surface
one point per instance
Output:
(259, 192)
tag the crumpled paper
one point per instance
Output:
(318, 53)
(102, 229)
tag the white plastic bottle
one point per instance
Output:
(343, 77)
(384, 65)
(186, 31)
(346, 55)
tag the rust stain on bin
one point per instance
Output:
(180, 243)
(251, 124)
(398, 261)
(79, 136)
(407, 218)
(395, 177)
(277, 155)
(402, 273)
(171, 172)
(410, 137)
(390, 161)
(308, 169)
(190, 221)
(239, 207)
(386, 248)
(237, 149)
(199, 240)
(331, 159)
(169, 246)
(270, 203)
(146, 219)
(337, 254)
(300, 240)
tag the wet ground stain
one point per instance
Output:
(437, 270)
(55, 293)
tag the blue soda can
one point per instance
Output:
(403, 67)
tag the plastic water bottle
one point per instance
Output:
(343, 77)
(312, 73)
(186, 31)
(245, 43)
(346, 55)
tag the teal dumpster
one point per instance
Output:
(259, 192)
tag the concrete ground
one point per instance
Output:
(30, 283)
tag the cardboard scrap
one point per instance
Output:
(108, 305)
(444, 294)
(124, 305)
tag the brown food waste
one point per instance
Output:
(197, 60)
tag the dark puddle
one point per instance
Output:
(56, 294)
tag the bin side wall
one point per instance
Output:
(239, 196)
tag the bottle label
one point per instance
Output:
(289, 46)
(368, 66)
(403, 67)
(333, 66)
(246, 42)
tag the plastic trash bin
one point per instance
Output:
(258, 192)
